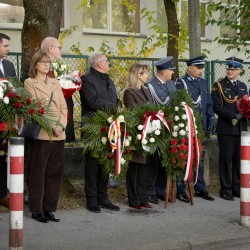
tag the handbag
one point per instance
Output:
(31, 128)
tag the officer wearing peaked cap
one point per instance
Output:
(230, 123)
(161, 88)
(198, 88)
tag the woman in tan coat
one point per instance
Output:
(137, 174)
(47, 157)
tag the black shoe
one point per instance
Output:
(50, 216)
(160, 197)
(40, 217)
(109, 206)
(153, 199)
(183, 197)
(236, 194)
(227, 197)
(94, 208)
(204, 195)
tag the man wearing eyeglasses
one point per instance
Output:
(230, 123)
(6, 70)
(98, 92)
(193, 82)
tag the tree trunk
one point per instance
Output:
(194, 28)
(42, 18)
(173, 33)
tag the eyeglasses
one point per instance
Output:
(59, 47)
(44, 62)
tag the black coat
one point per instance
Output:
(9, 69)
(226, 108)
(98, 92)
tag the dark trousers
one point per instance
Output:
(3, 177)
(156, 177)
(70, 129)
(96, 185)
(137, 184)
(45, 175)
(229, 163)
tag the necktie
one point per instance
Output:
(235, 83)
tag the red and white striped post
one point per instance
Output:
(245, 179)
(16, 186)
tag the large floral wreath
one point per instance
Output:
(175, 132)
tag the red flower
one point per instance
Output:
(183, 140)
(18, 104)
(174, 150)
(109, 146)
(181, 156)
(147, 114)
(173, 141)
(128, 151)
(28, 101)
(104, 129)
(39, 104)
(127, 134)
(11, 94)
(31, 111)
(41, 110)
(110, 155)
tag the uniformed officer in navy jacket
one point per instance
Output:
(198, 88)
(230, 123)
(161, 88)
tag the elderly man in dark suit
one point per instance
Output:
(97, 93)
(230, 123)
(7, 70)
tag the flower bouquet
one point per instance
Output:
(17, 106)
(243, 105)
(106, 136)
(70, 82)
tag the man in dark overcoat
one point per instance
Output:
(193, 82)
(7, 70)
(230, 123)
(98, 92)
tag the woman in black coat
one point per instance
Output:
(137, 174)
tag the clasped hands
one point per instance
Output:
(237, 118)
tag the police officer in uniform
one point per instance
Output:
(198, 88)
(229, 126)
(161, 88)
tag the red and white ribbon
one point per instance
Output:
(160, 116)
(192, 139)
(114, 136)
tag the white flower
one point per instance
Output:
(176, 108)
(1, 95)
(121, 118)
(138, 136)
(176, 118)
(181, 125)
(130, 138)
(123, 161)
(6, 100)
(174, 134)
(140, 127)
(63, 67)
(196, 131)
(156, 124)
(126, 144)
(157, 132)
(110, 119)
(182, 132)
(67, 83)
(184, 117)
(144, 142)
(104, 140)
(176, 128)
(152, 140)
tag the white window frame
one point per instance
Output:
(109, 23)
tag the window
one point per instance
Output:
(182, 12)
(11, 13)
(111, 16)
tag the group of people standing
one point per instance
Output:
(146, 178)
